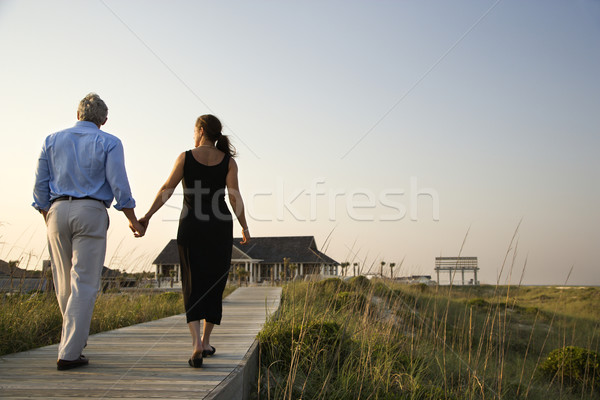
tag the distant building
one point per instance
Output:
(371, 276)
(15, 279)
(454, 265)
(415, 279)
(114, 279)
(263, 258)
(11, 269)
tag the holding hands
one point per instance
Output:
(137, 228)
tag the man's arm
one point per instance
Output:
(116, 175)
(41, 187)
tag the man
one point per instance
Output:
(80, 171)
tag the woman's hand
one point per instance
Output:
(144, 221)
(137, 228)
(245, 236)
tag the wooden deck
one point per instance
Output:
(148, 360)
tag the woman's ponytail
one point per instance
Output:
(225, 145)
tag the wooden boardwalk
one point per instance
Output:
(148, 360)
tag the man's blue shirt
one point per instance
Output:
(82, 161)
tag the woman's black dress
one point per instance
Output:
(204, 239)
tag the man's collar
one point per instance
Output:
(87, 124)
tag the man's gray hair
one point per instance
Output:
(92, 108)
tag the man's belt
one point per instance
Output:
(61, 198)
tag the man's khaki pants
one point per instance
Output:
(77, 245)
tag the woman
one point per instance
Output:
(205, 234)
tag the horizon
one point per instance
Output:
(377, 276)
(390, 131)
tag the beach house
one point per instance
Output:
(266, 259)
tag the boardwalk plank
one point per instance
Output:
(148, 360)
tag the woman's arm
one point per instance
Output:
(166, 190)
(235, 199)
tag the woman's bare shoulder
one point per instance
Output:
(181, 157)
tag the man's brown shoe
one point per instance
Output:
(62, 365)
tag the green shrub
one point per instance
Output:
(350, 300)
(414, 345)
(316, 342)
(170, 296)
(422, 287)
(332, 285)
(575, 365)
(478, 302)
(359, 283)
(407, 298)
(381, 289)
(393, 350)
(28, 321)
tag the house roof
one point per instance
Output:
(169, 255)
(299, 249)
(237, 254)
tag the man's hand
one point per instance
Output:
(138, 229)
(44, 214)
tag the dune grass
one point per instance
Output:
(33, 320)
(382, 340)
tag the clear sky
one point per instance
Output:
(388, 130)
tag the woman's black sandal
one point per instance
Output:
(207, 353)
(195, 362)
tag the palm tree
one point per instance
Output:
(172, 275)
(344, 265)
(286, 266)
(159, 278)
(245, 275)
(381, 269)
(355, 265)
(392, 265)
(293, 268)
(242, 274)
